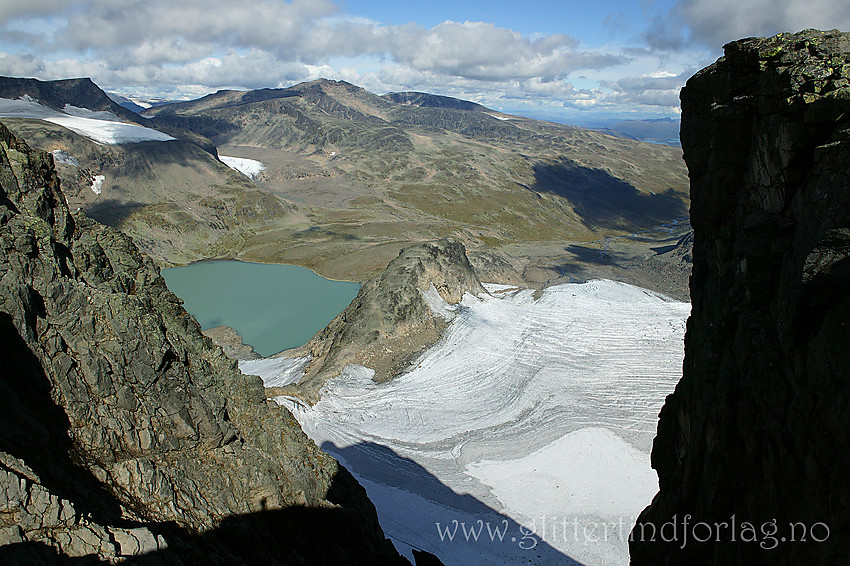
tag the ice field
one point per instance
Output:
(527, 427)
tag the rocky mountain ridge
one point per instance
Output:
(395, 316)
(423, 99)
(81, 92)
(351, 178)
(124, 431)
(176, 198)
(754, 430)
(378, 173)
(84, 93)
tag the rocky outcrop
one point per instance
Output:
(395, 316)
(123, 430)
(231, 343)
(493, 266)
(755, 432)
(425, 100)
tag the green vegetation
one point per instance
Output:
(351, 177)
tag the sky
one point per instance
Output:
(563, 60)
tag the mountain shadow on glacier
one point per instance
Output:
(380, 464)
(270, 537)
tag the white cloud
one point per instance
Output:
(716, 22)
(269, 24)
(645, 82)
(30, 9)
(483, 51)
(21, 65)
(157, 47)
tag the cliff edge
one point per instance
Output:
(750, 453)
(123, 431)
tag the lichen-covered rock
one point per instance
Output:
(756, 430)
(122, 429)
(390, 320)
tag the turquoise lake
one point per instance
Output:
(273, 307)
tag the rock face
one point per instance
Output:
(391, 321)
(756, 430)
(123, 430)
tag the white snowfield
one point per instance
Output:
(60, 156)
(97, 184)
(523, 437)
(248, 167)
(276, 372)
(101, 127)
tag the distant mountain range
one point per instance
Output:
(350, 177)
(660, 130)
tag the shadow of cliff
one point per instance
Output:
(39, 554)
(303, 536)
(604, 201)
(430, 501)
(33, 428)
(596, 255)
(112, 212)
(341, 535)
(587, 261)
(283, 537)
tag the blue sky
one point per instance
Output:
(570, 61)
(587, 19)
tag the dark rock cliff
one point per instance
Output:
(756, 430)
(123, 431)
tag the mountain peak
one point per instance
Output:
(425, 100)
(81, 92)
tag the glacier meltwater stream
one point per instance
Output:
(523, 436)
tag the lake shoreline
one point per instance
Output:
(270, 308)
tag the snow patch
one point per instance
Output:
(108, 133)
(92, 125)
(248, 167)
(591, 472)
(438, 305)
(64, 157)
(94, 115)
(276, 372)
(97, 184)
(24, 107)
(498, 288)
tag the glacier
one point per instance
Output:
(523, 436)
(248, 167)
(101, 127)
